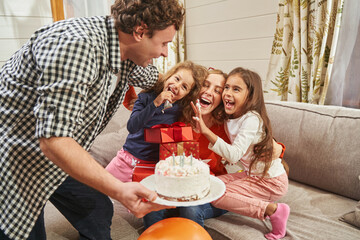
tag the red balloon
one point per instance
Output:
(175, 228)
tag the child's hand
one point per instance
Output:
(200, 124)
(162, 97)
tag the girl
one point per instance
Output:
(264, 180)
(179, 86)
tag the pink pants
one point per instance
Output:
(249, 196)
(122, 165)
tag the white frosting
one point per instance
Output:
(182, 178)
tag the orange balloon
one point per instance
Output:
(175, 228)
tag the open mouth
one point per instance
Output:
(170, 88)
(229, 104)
(205, 102)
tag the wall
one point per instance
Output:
(219, 33)
(18, 20)
(229, 33)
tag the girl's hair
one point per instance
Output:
(155, 14)
(255, 102)
(199, 73)
(218, 113)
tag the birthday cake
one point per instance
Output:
(180, 178)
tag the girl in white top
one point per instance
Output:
(253, 191)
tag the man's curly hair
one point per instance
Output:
(155, 14)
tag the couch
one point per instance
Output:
(323, 152)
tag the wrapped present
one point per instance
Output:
(179, 148)
(142, 171)
(165, 133)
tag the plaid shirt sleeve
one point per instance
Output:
(63, 86)
(144, 77)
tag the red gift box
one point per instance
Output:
(142, 171)
(165, 133)
(188, 148)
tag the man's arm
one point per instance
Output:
(131, 96)
(66, 153)
(143, 77)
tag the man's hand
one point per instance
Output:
(138, 199)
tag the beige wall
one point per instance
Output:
(219, 33)
(18, 20)
(229, 33)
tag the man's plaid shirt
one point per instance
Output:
(57, 84)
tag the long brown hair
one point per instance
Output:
(255, 102)
(199, 73)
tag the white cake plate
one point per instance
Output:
(217, 189)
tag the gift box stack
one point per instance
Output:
(176, 139)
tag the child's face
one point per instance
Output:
(234, 95)
(210, 94)
(180, 84)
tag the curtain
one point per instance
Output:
(344, 87)
(303, 50)
(86, 8)
(176, 51)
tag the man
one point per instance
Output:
(55, 98)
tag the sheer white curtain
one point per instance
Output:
(86, 8)
(344, 85)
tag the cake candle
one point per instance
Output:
(191, 157)
(173, 161)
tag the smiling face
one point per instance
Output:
(235, 95)
(180, 83)
(147, 48)
(210, 94)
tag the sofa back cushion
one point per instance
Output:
(112, 138)
(322, 144)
